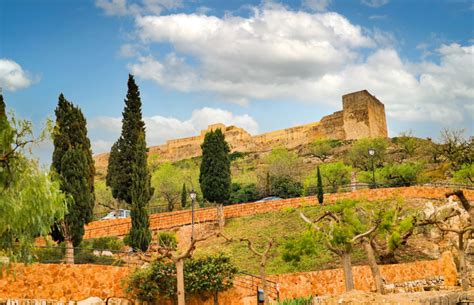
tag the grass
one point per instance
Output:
(283, 226)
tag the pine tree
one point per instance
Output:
(184, 196)
(72, 161)
(122, 156)
(140, 235)
(215, 178)
(320, 187)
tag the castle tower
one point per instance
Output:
(363, 116)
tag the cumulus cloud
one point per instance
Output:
(159, 129)
(12, 75)
(312, 57)
(259, 56)
(375, 3)
(124, 7)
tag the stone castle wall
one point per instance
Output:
(363, 116)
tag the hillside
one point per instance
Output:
(412, 159)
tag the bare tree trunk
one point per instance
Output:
(220, 216)
(465, 204)
(69, 250)
(180, 281)
(263, 276)
(347, 266)
(216, 298)
(374, 267)
(462, 264)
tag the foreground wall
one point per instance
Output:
(120, 227)
(78, 282)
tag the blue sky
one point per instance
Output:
(261, 65)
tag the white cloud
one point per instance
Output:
(317, 5)
(124, 7)
(159, 128)
(12, 75)
(375, 3)
(258, 56)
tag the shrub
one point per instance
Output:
(336, 174)
(297, 301)
(465, 174)
(167, 240)
(286, 187)
(405, 174)
(107, 243)
(243, 193)
(359, 157)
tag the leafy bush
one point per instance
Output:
(286, 187)
(323, 149)
(243, 193)
(205, 277)
(335, 174)
(359, 156)
(167, 240)
(465, 174)
(405, 174)
(297, 301)
(107, 243)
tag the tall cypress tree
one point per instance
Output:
(320, 192)
(73, 162)
(140, 235)
(215, 177)
(6, 140)
(127, 172)
(122, 155)
(184, 196)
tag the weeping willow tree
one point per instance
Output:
(30, 201)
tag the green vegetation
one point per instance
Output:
(243, 193)
(204, 277)
(297, 301)
(465, 174)
(404, 174)
(127, 174)
(72, 162)
(320, 190)
(30, 198)
(215, 176)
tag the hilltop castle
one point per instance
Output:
(362, 116)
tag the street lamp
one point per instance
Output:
(372, 154)
(192, 194)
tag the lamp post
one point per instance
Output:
(192, 194)
(372, 154)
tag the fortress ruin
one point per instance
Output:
(362, 116)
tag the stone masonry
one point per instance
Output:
(362, 116)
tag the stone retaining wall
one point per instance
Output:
(78, 282)
(120, 227)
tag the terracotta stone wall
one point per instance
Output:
(120, 227)
(78, 282)
(362, 116)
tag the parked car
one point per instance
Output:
(272, 198)
(121, 213)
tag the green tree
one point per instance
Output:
(359, 156)
(286, 187)
(209, 275)
(215, 176)
(465, 174)
(243, 193)
(340, 227)
(320, 191)
(336, 174)
(30, 199)
(140, 235)
(282, 162)
(122, 155)
(323, 148)
(404, 174)
(408, 143)
(72, 161)
(184, 196)
(167, 181)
